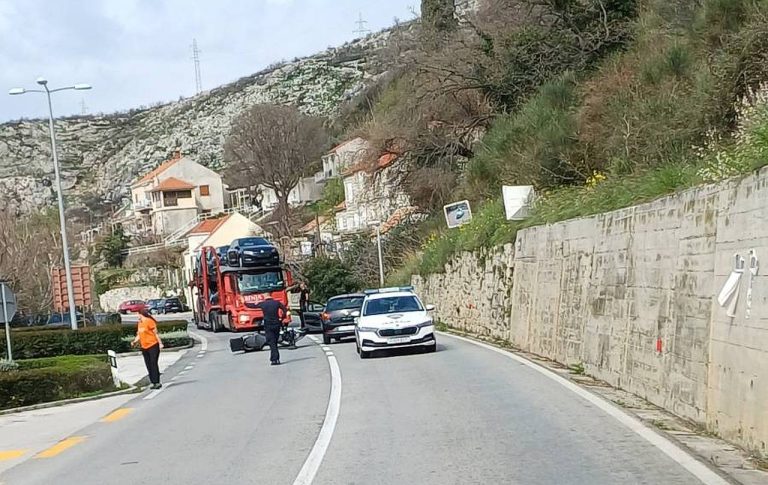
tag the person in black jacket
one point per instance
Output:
(272, 323)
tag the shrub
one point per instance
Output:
(329, 277)
(46, 380)
(50, 343)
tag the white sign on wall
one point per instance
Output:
(517, 201)
(457, 214)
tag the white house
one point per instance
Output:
(216, 232)
(372, 194)
(343, 156)
(170, 196)
(306, 191)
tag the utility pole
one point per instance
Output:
(196, 59)
(361, 30)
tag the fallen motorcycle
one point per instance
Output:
(256, 341)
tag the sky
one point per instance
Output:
(138, 52)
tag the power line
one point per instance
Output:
(196, 59)
(361, 30)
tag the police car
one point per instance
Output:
(393, 318)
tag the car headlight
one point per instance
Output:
(428, 323)
(366, 329)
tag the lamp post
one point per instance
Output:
(377, 224)
(62, 221)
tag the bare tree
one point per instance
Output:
(274, 146)
(29, 247)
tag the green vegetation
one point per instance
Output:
(31, 344)
(328, 277)
(51, 379)
(672, 100)
(111, 247)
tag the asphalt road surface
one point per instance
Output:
(465, 414)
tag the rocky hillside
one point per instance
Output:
(101, 154)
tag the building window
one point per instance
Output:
(205, 190)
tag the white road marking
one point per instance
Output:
(200, 355)
(174, 378)
(203, 340)
(325, 348)
(329, 353)
(685, 459)
(154, 393)
(316, 455)
(189, 367)
(182, 373)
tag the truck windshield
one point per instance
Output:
(260, 282)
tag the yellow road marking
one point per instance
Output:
(116, 415)
(60, 447)
(11, 454)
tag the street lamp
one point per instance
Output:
(378, 242)
(62, 221)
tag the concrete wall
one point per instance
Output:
(112, 299)
(604, 291)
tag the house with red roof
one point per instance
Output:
(372, 193)
(167, 198)
(343, 156)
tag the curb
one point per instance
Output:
(63, 402)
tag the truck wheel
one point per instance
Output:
(326, 339)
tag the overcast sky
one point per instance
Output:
(137, 52)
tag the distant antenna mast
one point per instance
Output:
(83, 107)
(361, 30)
(196, 59)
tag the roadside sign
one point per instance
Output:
(457, 214)
(7, 311)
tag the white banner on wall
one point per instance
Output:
(517, 201)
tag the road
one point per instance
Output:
(465, 414)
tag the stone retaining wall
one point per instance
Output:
(631, 295)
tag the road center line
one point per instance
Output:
(11, 454)
(116, 415)
(312, 464)
(685, 459)
(60, 447)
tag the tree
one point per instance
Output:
(438, 15)
(111, 248)
(274, 146)
(328, 277)
(29, 247)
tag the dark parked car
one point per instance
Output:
(172, 305)
(313, 320)
(63, 320)
(252, 251)
(155, 306)
(337, 319)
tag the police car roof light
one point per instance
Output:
(393, 289)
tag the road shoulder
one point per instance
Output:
(736, 464)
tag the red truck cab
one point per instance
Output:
(226, 297)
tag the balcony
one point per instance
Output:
(144, 205)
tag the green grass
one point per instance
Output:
(489, 227)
